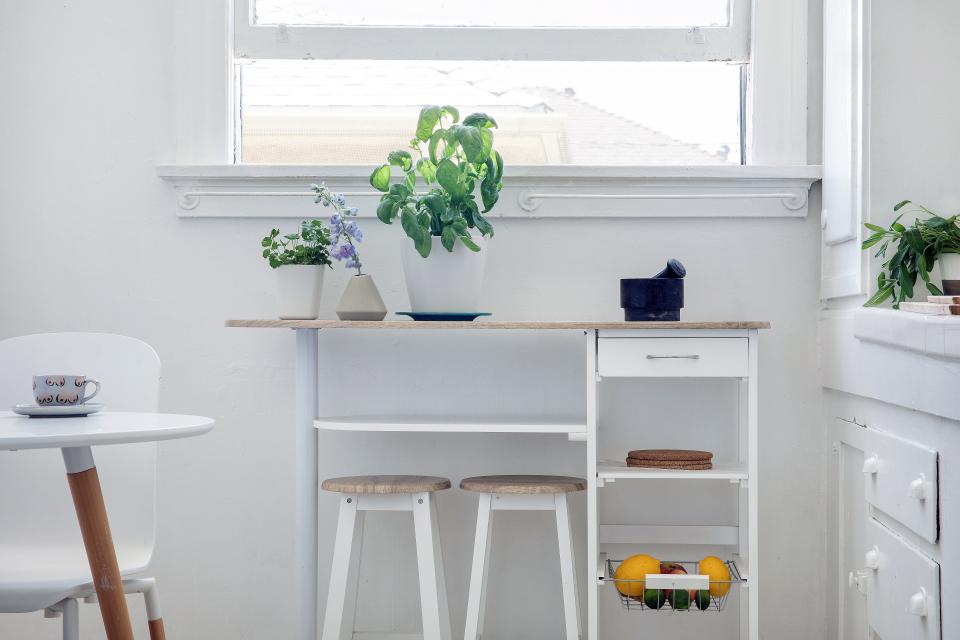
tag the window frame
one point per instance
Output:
(647, 44)
(776, 145)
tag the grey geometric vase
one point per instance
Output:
(361, 300)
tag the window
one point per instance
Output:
(642, 83)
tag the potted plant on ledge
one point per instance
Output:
(299, 260)
(444, 262)
(918, 248)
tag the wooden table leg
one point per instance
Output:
(92, 516)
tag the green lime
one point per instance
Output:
(703, 599)
(654, 598)
(680, 599)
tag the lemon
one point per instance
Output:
(719, 575)
(635, 569)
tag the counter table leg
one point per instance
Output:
(92, 516)
(306, 474)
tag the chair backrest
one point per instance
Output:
(35, 504)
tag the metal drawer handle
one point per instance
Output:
(689, 357)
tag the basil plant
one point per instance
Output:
(454, 160)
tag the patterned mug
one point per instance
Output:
(62, 390)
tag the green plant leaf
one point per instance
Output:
(408, 220)
(482, 224)
(899, 228)
(879, 297)
(380, 178)
(489, 193)
(934, 289)
(906, 284)
(486, 136)
(468, 242)
(448, 175)
(479, 120)
(901, 205)
(874, 227)
(453, 112)
(434, 203)
(914, 240)
(448, 238)
(387, 209)
(872, 240)
(435, 139)
(429, 118)
(401, 159)
(472, 142)
(427, 170)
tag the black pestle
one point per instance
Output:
(657, 298)
(674, 269)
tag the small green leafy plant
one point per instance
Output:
(310, 246)
(917, 249)
(454, 159)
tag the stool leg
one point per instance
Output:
(343, 559)
(476, 599)
(436, 619)
(571, 606)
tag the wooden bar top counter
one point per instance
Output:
(494, 324)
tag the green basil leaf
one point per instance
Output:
(453, 112)
(435, 140)
(483, 225)
(448, 238)
(387, 210)
(489, 193)
(468, 242)
(410, 181)
(471, 141)
(480, 120)
(434, 203)
(401, 159)
(429, 117)
(380, 178)
(448, 175)
(486, 136)
(408, 219)
(427, 170)
(424, 244)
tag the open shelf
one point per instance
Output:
(451, 424)
(608, 470)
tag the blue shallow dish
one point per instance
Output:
(443, 316)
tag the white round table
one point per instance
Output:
(74, 437)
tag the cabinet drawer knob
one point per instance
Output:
(693, 356)
(918, 488)
(872, 558)
(918, 603)
(871, 464)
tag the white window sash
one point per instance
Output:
(297, 42)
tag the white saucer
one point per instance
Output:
(56, 411)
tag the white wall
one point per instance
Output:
(913, 140)
(91, 243)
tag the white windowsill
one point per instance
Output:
(282, 191)
(937, 336)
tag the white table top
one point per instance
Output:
(107, 427)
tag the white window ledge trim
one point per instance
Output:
(283, 191)
(936, 336)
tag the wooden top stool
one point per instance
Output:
(522, 493)
(360, 494)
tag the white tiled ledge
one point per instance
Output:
(282, 191)
(937, 336)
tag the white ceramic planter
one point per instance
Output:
(361, 300)
(950, 272)
(298, 291)
(445, 281)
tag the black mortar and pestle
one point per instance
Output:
(656, 298)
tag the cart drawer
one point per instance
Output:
(672, 357)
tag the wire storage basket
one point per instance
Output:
(681, 590)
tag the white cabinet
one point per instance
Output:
(902, 586)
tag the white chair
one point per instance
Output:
(522, 493)
(43, 565)
(360, 494)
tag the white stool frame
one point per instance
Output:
(476, 600)
(340, 617)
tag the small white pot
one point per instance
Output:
(950, 273)
(445, 281)
(298, 291)
(361, 300)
